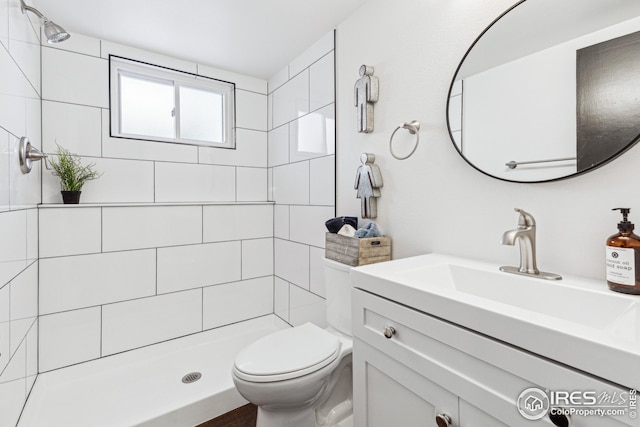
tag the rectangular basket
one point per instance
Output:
(353, 251)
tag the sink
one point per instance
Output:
(549, 298)
(576, 321)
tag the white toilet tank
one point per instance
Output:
(338, 293)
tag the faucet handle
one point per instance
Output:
(525, 219)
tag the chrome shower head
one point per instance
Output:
(52, 31)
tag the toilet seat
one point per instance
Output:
(287, 354)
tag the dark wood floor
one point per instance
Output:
(244, 416)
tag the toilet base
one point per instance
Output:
(281, 418)
(301, 418)
(347, 422)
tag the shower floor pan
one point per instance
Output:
(144, 387)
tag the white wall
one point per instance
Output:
(172, 240)
(19, 195)
(302, 176)
(75, 104)
(434, 201)
(176, 239)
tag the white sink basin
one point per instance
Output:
(575, 321)
(549, 298)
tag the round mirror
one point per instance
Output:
(550, 90)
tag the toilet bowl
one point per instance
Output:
(302, 376)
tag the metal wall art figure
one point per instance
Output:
(368, 183)
(366, 94)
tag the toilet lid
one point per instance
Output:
(287, 354)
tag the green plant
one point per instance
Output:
(71, 172)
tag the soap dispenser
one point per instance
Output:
(623, 257)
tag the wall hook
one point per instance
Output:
(413, 127)
(27, 154)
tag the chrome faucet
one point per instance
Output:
(525, 234)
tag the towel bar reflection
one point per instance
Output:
(27, 154)
(513, 164)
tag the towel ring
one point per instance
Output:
(413, 127)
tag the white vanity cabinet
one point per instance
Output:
(412, 369)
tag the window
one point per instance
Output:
(159, 104)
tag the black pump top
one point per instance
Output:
(624, 225)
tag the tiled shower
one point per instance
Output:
(302, 173)
(19, 197)
(172, 239)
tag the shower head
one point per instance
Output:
(54, 32)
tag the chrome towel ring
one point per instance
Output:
(413, 127)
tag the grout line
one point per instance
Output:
(156, 270)
(202, 309)
(154, 182)
(101, 229)
(101, 330)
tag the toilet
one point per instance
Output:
(302, 376)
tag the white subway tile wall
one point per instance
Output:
(69, 337)
(195, 266)
(307, 224)
(291, 184)
(131, 324)
(184, 182)
(251, 150)
(150, 226)
(281, 298)
(228, 303)
(302, 179)
(292, 262)
(171, 240)
(149, 274)
(70, 231)
(257, 258)
(236, 222)
(306, 307)
(80, 281)
(312, 135)
(291, 100)
(19, 196)
(251, 184)
(279, 146)
(76, 115)
(74, 126)
(74, 78)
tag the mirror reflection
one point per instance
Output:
(549, 90)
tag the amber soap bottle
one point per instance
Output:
(623, 257)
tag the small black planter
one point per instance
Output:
(71, 197)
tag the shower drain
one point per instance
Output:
(191, 377)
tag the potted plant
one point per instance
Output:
(72, 174)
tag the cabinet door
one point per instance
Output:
(387, 394)
(471, 416)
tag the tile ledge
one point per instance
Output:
(98, 205)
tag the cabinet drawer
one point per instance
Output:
(482, 371)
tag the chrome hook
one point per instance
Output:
(28, 154)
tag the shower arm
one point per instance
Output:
(24, 8)
(54, 32)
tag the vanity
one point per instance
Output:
(445, 341)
